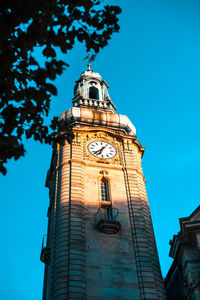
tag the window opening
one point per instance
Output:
(107, 216)
(104, 190)
(93, 93)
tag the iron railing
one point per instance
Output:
(44, 241)
(108, 214)
(45, 251)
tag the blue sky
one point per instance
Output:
(153, 69)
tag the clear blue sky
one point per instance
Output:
(153, 69)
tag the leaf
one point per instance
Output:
(49, 51)
(51, 88)
(27, 29)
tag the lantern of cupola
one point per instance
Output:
(92, 91)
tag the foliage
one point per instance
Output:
(25, 82)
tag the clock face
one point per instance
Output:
(102, 149)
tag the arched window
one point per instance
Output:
(93, 93)
(104, 190)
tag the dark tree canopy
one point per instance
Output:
(25, 84)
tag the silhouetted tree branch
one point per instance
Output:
(25, 83)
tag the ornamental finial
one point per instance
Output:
(90, 59)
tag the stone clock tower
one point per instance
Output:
(100, 242)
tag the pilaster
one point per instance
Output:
(61, 232)
(148, 268)
(76, 262)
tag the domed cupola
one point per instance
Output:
(91, 91)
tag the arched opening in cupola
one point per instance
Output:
(93, 93)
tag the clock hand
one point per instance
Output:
(97, 152)
(100, 150)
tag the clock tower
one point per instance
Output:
(100, 242)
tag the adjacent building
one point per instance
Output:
(183, 279)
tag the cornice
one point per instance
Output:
(98, 164)
(92, 117)
(187, 235)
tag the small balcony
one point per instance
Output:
(45, 252)
(108, 220)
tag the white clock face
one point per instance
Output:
(102, 149)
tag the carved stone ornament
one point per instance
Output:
(103, 172)
(191, 280)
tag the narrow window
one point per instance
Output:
(93, 93)
(104, 190)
